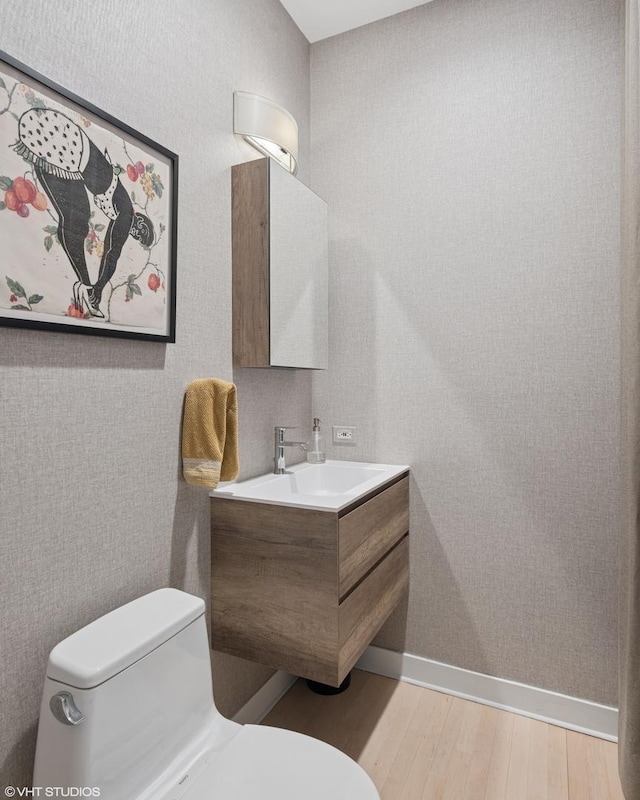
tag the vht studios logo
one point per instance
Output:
(52, 791)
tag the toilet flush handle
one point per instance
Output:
(65, 710)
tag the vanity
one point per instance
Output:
(307, 566)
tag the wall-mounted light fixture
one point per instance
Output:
(268, 127)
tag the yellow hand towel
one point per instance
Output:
(210, 432)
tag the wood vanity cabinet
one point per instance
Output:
(303, 590)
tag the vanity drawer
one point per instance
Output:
(365, 610)
(369, 531)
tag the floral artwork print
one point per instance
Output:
(83, 222)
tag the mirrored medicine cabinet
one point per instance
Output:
(280, 269)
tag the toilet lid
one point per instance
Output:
(275, 764)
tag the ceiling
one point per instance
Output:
(319, 19)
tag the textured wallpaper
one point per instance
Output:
(93, 511)
(469, 152)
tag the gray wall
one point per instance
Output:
(469, 153)
(93, 511)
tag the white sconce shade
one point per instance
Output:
(268, 127)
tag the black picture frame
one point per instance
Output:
(88, 216)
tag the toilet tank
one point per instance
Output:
(141, 677)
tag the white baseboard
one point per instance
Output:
(258, 706)
(557, 709)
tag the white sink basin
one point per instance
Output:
(326, 487)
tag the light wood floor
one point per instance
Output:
(417, 744)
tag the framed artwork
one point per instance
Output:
(88, 216)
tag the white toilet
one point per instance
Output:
(128, 709)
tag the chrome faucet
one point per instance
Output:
(279, 465)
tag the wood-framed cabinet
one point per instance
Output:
(280, 269)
